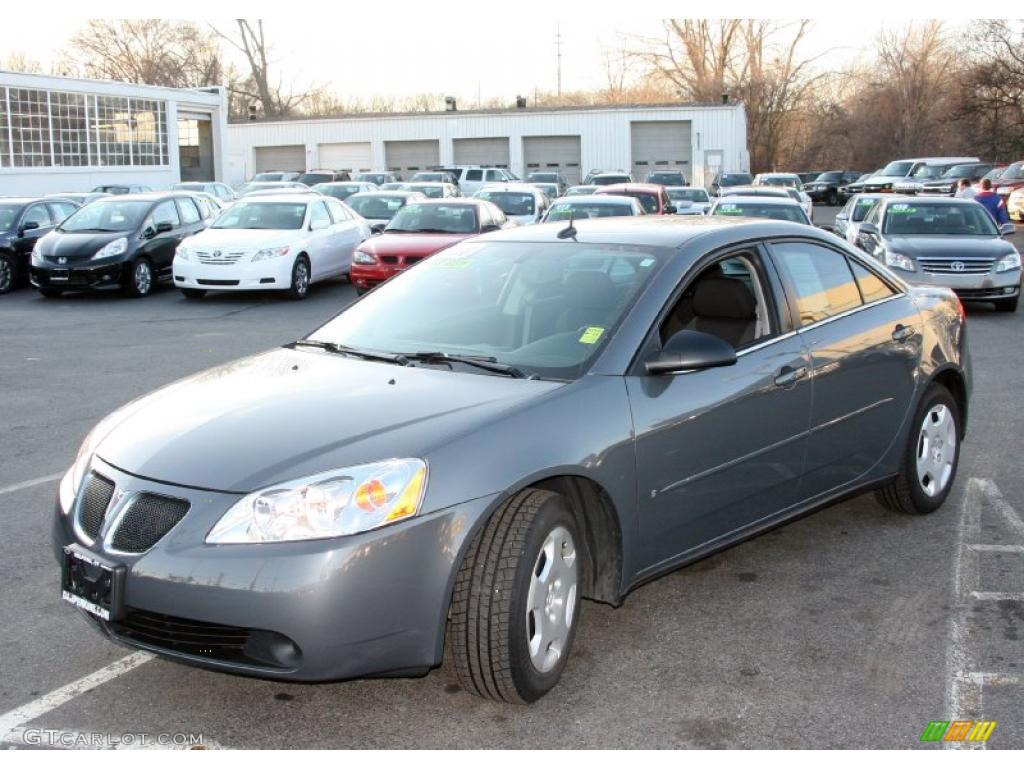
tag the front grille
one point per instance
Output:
(98, 492)
(146, 521)
(219, 257)
(206, 640)
(413, 259)
(953, 266)
(217, 282)
(388, 259)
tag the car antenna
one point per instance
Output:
(569, 231)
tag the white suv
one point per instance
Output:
(472, 179)
(273, 242)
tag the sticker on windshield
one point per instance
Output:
(454, 262)
(902, 208)
(591, 335)
(729, 209)
(646, 262)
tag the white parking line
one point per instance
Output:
(1015, 548)
(998, 595)
(11, 721)
(30, 483)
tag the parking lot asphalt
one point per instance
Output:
(854, 627)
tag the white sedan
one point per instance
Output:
(524, 203)
(271, 243)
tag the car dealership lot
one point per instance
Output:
(853, 627)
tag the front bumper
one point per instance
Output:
(944, 190)
(993, 285)
(270, 274)
(77, 276)
(820, 195)
(372, 275)
(371, 604)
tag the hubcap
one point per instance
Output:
(143, 277)
(5, 274)
(301, 278)
(936, 449)
(551, 601)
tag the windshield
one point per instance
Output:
(994, 174)
(340, 191)
(553, 177)
(434, 191)
(647, 199)
(863, 205)
(315, 178)
(690, 195)
(581, 190)
(960, 171)
(665, 177)
(831, 176)
(268, 177)
(938, 219)
(735, 179)
(1014, 171)
(253, 215)
(446, 219)
(190, 187)
(765, 210)
(545, 308)
(780, 181)
(897, 168)
(511, 203)
(376, 178)
(581, 210)
(602, 181)
(929, 171)
(107, 216)
(429, 176)
(376, 206)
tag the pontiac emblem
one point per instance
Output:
(62, 260)
(957, 266)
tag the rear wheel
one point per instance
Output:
(140, 279)
(930, 458)
(516, 602)
(300, 279)
(7, 272)
(833, 199)
(1002, 305)
(193, 293)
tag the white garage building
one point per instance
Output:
(61, 134)
(701, 139)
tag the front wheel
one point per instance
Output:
(930, 458)
(6, 272)
(833, 199)
(516, 601)
(140, 279)
(300, 280)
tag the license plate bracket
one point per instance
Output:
(60, 274)
(93, 583)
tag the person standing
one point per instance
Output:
(992, 202)
(965, 191)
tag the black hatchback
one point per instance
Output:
(23, 220)
(126, 241)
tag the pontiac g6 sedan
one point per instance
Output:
(526, 419)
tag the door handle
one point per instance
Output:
(902, 332)
(789, 376)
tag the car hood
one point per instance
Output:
(243, 238)
(73, 244)
(950, 246)
(289, 413)
(410, 244)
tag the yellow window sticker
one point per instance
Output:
(591, 335)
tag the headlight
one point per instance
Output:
(182, 253)
(1008, 262)
(899, 261)
(337, 503)
(113, 248)
(362, 257)
(271, 253)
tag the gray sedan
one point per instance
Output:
(523, 420)
(949, 242)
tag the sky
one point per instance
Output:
(455, 53)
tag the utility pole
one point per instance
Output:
(558, 55)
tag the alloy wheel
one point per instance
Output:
(301, 278)
(6, 274)
(551, 601)
(143, 278)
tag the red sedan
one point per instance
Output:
(652, 197)
(419, 230)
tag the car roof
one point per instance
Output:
(282, 198)
(761, 200)
(761, 191)
(890, 199)
(151, 197)
(631, 186)
(777, 175)
(386, 193)
(687, 187)
(512, 186)
(21, 200)
(595, 199)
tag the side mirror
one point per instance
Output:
(27, 226)
(376, 229)
(163, 226)
(691, 351)
(868, 229)
(670, 209)
(827, 228)
(489, 228)
(149, 233)
(1007, 229)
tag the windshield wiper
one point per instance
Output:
(341, 349)
(477, 361)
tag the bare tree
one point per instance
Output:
(273, 99)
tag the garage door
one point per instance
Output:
(350, 156)
(660, 145)
(552, 153)
(288, 158)
(488, 152)
(408, 157)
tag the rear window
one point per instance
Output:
(376, 206)
(567, 210)
(602, 181)
(511, 203)
(765, 210)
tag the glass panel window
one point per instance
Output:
(5, 145)
(70, 129)
(40, 214)
(30, 127)
(872, 288)
(819, 279)
(164, 212)
(113, 131)
(319, 215)
(149, 132)
(189, 212)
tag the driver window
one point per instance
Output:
(727, 299)
(318, 216)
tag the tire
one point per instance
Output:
(140, 279)
(911, 492)
(193, 293)
(526, 554)
(833, 199)
(51, 293)
(361, 291)
(1002, 305)
(299, 287)
(8, 272)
